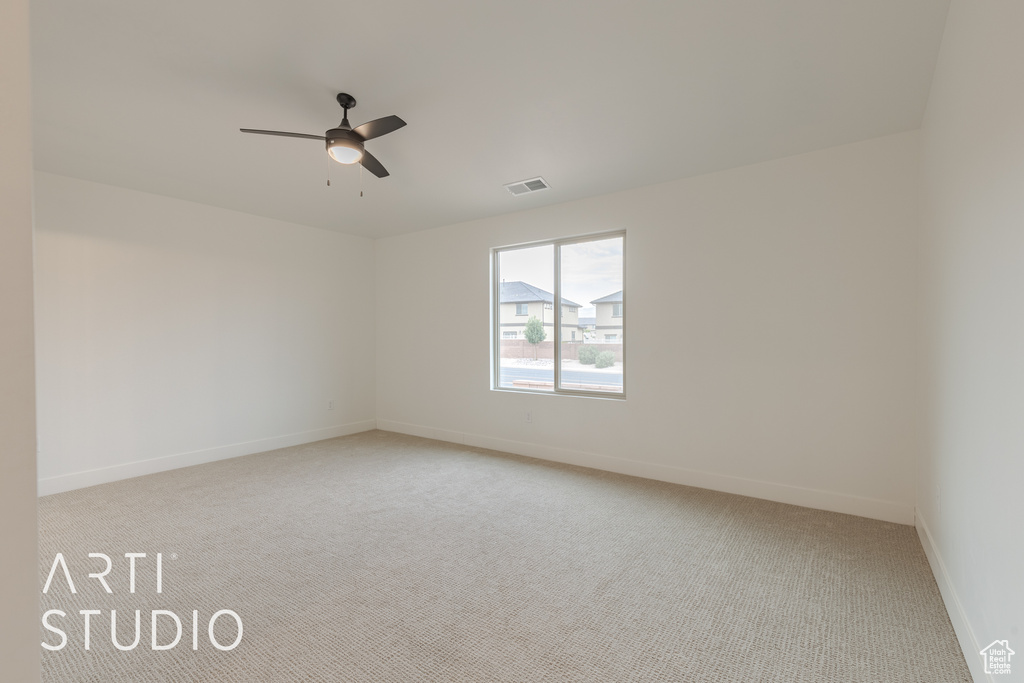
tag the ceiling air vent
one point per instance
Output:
(527, 186)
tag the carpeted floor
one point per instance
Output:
(379, 557)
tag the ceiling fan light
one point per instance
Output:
(344, 151)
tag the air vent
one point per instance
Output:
(527, 186)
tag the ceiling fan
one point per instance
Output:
(345, 143)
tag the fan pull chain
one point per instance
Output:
(328, 170)
(360, 180)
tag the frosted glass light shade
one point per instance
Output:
(345, 151)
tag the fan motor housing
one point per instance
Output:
(340, 137)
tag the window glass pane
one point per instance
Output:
(526, 341)
(592, 323)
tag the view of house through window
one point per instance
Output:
(575, 347)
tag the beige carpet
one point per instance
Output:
(379, 557)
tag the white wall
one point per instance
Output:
(19, 615)
(171, 333)
(971, 478)
(773, 333)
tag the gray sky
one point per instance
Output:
(590, 270)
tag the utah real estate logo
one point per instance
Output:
(997, 657)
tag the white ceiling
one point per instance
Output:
(594, 95)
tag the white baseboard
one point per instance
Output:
(955, 609)
(900, 513)
(103, 475)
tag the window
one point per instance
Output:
(586, 276)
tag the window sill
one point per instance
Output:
(570, 392)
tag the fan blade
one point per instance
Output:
(371, 164)
(378, 127)
(282, 134)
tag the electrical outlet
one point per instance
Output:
(330, 405)
(529, 416)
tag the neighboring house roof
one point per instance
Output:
(520, 293)
(584, 322)
(615, 298)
